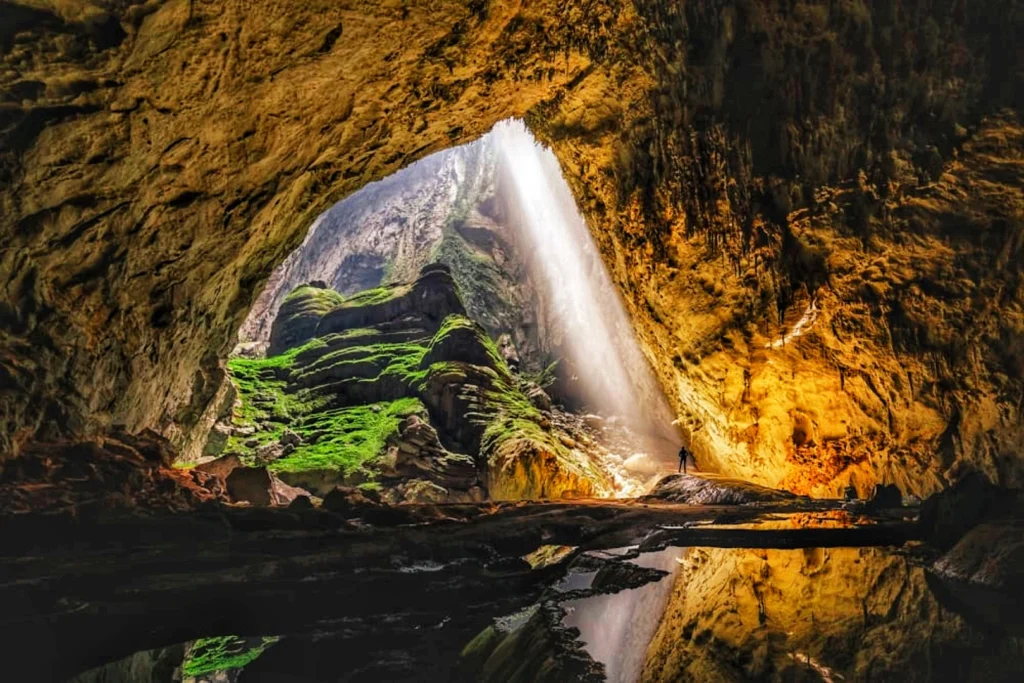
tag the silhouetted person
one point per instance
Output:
(684, 455)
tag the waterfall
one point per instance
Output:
(598, 338)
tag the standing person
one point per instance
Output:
(683, 456)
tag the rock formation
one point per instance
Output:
(813, 210)
(736, 162)
(395, 387)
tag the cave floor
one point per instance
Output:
(83, 590)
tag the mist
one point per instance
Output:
(598, 339)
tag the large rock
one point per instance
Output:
(524, 468)
(222, 466)
(430, 299)
(708, 489)
(419, 453)
(983, 574)
(462, 340)
(300, 315)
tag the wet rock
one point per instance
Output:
(712, 490)
(948, 515)
(983, 574)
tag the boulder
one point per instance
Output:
(222, 466)
(982, 576)
(346, 500)
(713, 490)
(423, 491)
(538, 397)
(258, 486)
(299, 316)
(250, 485)
(643, 465)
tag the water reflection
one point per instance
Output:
(841, 614)
(617, 628)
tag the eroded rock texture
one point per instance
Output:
(834, 176)
(840, 614)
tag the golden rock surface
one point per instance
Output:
(837, 178)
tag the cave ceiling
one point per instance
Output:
(813, 210)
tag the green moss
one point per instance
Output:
(307, 297)
(222, 653)
(347, 438)
(545, 378)
(479, 279)
(377, 295)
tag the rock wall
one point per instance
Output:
(736, 161)
(836, 614)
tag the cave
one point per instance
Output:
(511, 341)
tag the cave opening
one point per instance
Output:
(469, 272)
(810, 212)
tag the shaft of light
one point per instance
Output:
(598, 337)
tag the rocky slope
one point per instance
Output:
(736, 162)
(395, 389)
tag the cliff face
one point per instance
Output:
(736, 161)
(835, 614)
(385, 231)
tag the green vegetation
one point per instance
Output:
(480, 280)
(307, 299)
(347, 438)
(377, 295)
(221, 653)
(346, 393)
(545, 378)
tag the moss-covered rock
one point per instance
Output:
(398, 386)
(299, 317)
(427, 301)
(461, 339)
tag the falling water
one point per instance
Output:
(598, 338)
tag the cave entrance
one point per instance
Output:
(447, 334)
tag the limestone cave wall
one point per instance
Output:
(812, 208)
